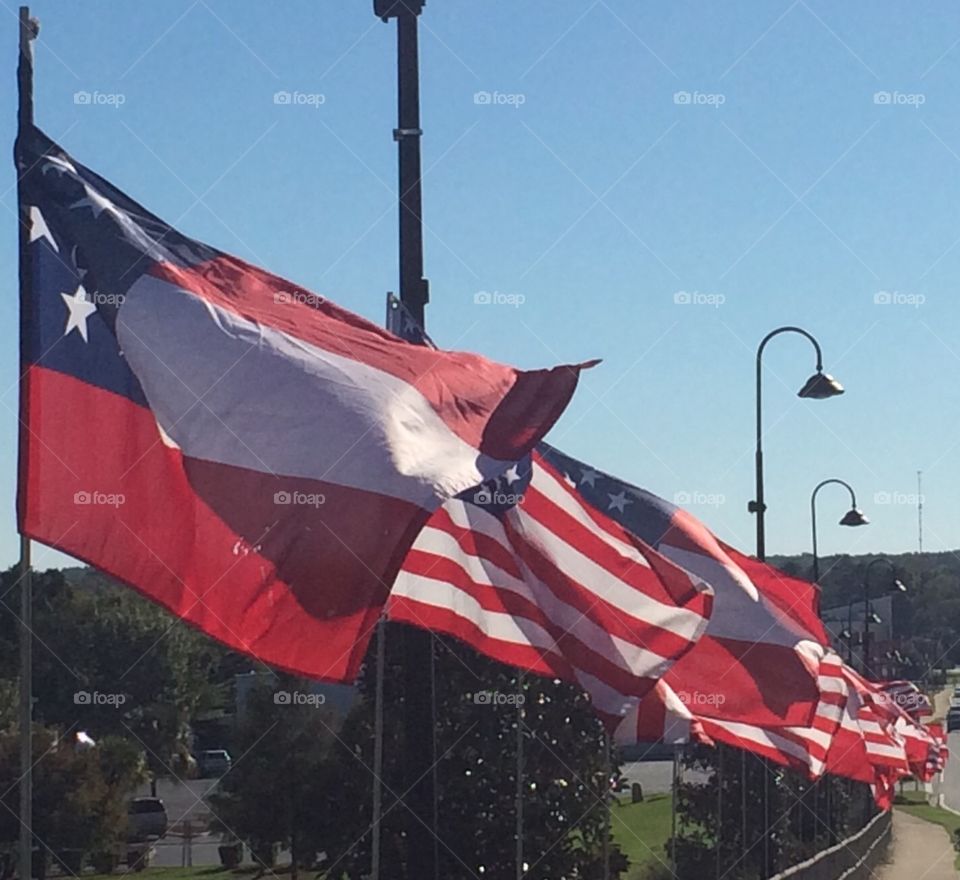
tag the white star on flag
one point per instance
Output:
(80, 309)
(618, 501)
(39, 228)
(97, 203)
(511, 475)
(589, 477)
(58, 164)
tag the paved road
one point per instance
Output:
(184, 802)
(950, 784)
(654, 776)
(921, 851)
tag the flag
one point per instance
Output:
(865, 748)
(669, 717)
(758, 660)
(908, 697)
(242, 451)
(526, 570)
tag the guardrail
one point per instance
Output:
(851, 859)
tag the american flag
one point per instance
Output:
(667, 716)
(536, 571)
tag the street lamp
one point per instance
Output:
(848, 635)
(818, 387)
(869, 617)
(853, 517)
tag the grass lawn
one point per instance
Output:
(642, 829)
(915, 803)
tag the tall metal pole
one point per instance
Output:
(378, 752)
(419, 759)
(813, 518)
(758, 505)
(518, 803)
(28, 31)
(920, 511)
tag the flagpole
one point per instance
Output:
(519, 791)
(28, 31)
(418, 713)
(673, 809)
(607, 803)
(378, 752)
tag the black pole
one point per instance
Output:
(813, 518)
(419, 760)
(28, 31)
(758, 506)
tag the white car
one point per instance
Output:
(146, 818)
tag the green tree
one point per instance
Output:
(564, 783)
(280, 791)
(79, 794)
(112, 663)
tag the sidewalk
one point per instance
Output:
(920, 851)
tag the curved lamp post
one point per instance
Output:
(818, 387)
(853, 517)
(867, 615)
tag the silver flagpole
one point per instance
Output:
(720, 750)
(607, 802)
(26, 711)
(378, 751)
(519, 793)
(673, 809)
(28, 31)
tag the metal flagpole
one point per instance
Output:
(519, 792)
(418, 720)
(378, 752)
(606, 803)
(673, 809)
(28, 31)
(719, 847)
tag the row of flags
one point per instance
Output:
(280, 472)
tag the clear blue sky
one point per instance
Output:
(781, 193)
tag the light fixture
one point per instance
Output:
(820, 386)
(854, 517)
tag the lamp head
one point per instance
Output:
(386, 9)
(899, 585)
(854, 517)
(820, 386)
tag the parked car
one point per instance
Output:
(146, 818)
(953, 719)
(213, 762)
